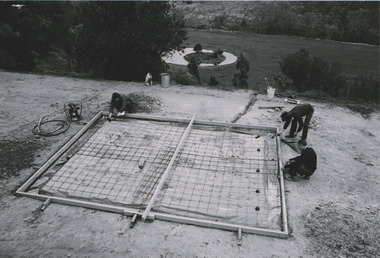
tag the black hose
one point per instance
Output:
(61, 129)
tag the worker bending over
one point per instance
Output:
(295, 116)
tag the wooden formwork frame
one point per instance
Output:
(147, 214)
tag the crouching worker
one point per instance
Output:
(303, 165)
(120, 104)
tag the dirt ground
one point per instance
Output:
(334, 214)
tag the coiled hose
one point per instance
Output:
(60, 129)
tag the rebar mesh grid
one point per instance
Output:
(225, 176)
(221, 173)
(121, 163)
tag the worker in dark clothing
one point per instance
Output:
(120, 104)
(304, 165)
(295, 116)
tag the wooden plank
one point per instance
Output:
(271, 107)
(166, 172)
(230, 125)
(196, 122)
(57, 155)
(282, 186)
(85, 204)
(153, 215)
(221, 225)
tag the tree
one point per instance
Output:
(240, 79)
(28, 32)
(125, 40)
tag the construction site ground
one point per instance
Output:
(335, 213)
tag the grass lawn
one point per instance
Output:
(264, 53)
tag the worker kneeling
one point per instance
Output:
(303, 165)
(120, 105)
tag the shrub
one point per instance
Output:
(213, 81)
(184, 78)
(308, 72)
(198, 48)
(217, 52)
(240, 79)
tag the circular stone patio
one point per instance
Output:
(178, 57)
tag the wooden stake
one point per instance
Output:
(133, 221)
(46, 203)
(239, 237)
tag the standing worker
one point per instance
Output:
(297, 113)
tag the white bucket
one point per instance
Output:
(165, 80)
(270, 92)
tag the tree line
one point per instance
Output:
(350, 21)
(113, 40)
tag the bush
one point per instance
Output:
(308, 72)
(184, 78)
(240, 79)
(213, 81)
(217, 52)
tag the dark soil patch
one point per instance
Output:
(349, 232)
(205, 58)
(16, 155)
(143, 103)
